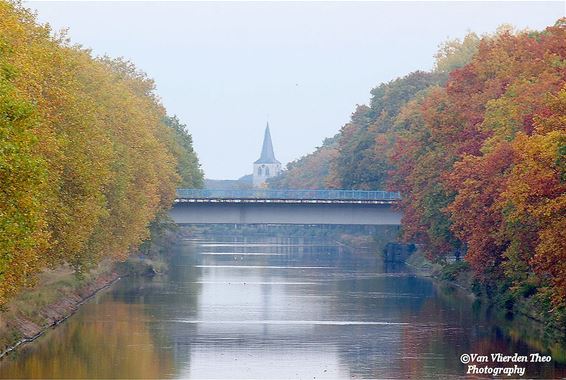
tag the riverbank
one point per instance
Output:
(59, 294)
(375, 241)
(521, 318)
(526, 307)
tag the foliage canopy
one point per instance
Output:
(88, 156)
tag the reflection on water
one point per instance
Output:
(273, 308)
(113, 341)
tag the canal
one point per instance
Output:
(274, 308)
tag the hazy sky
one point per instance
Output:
(227, 68)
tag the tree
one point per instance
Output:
(308, 172)
(87, 159)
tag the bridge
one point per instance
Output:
(260, 206)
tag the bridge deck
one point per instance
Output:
(287, 196)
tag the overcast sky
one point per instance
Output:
(227, 68)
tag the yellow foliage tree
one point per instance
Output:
(86, 160)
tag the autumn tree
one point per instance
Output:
(308, 172)
(362, 161)
(88, 154)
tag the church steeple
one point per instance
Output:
(267, 165)
(267, 155)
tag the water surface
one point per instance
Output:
(274, 308)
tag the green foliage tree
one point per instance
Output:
(364, 142)
(454, 54)
(188, 165)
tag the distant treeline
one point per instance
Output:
(477, 148)
(88, 155)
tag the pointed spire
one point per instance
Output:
(267, 155)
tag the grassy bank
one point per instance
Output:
(59, 292)
(57, 295)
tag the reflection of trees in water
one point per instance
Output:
(458, 325)
(441, 323)
(263, 232)
(168, 298)
(356, 292)
(132, 331)
(124, 333)
(107, 340)
(374, 350)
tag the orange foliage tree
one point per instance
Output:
(483, 158)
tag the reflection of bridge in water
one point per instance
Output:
(259, 206)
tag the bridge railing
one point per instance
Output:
(289, 194)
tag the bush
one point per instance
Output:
(451, 271)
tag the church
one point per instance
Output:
(267, 165)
